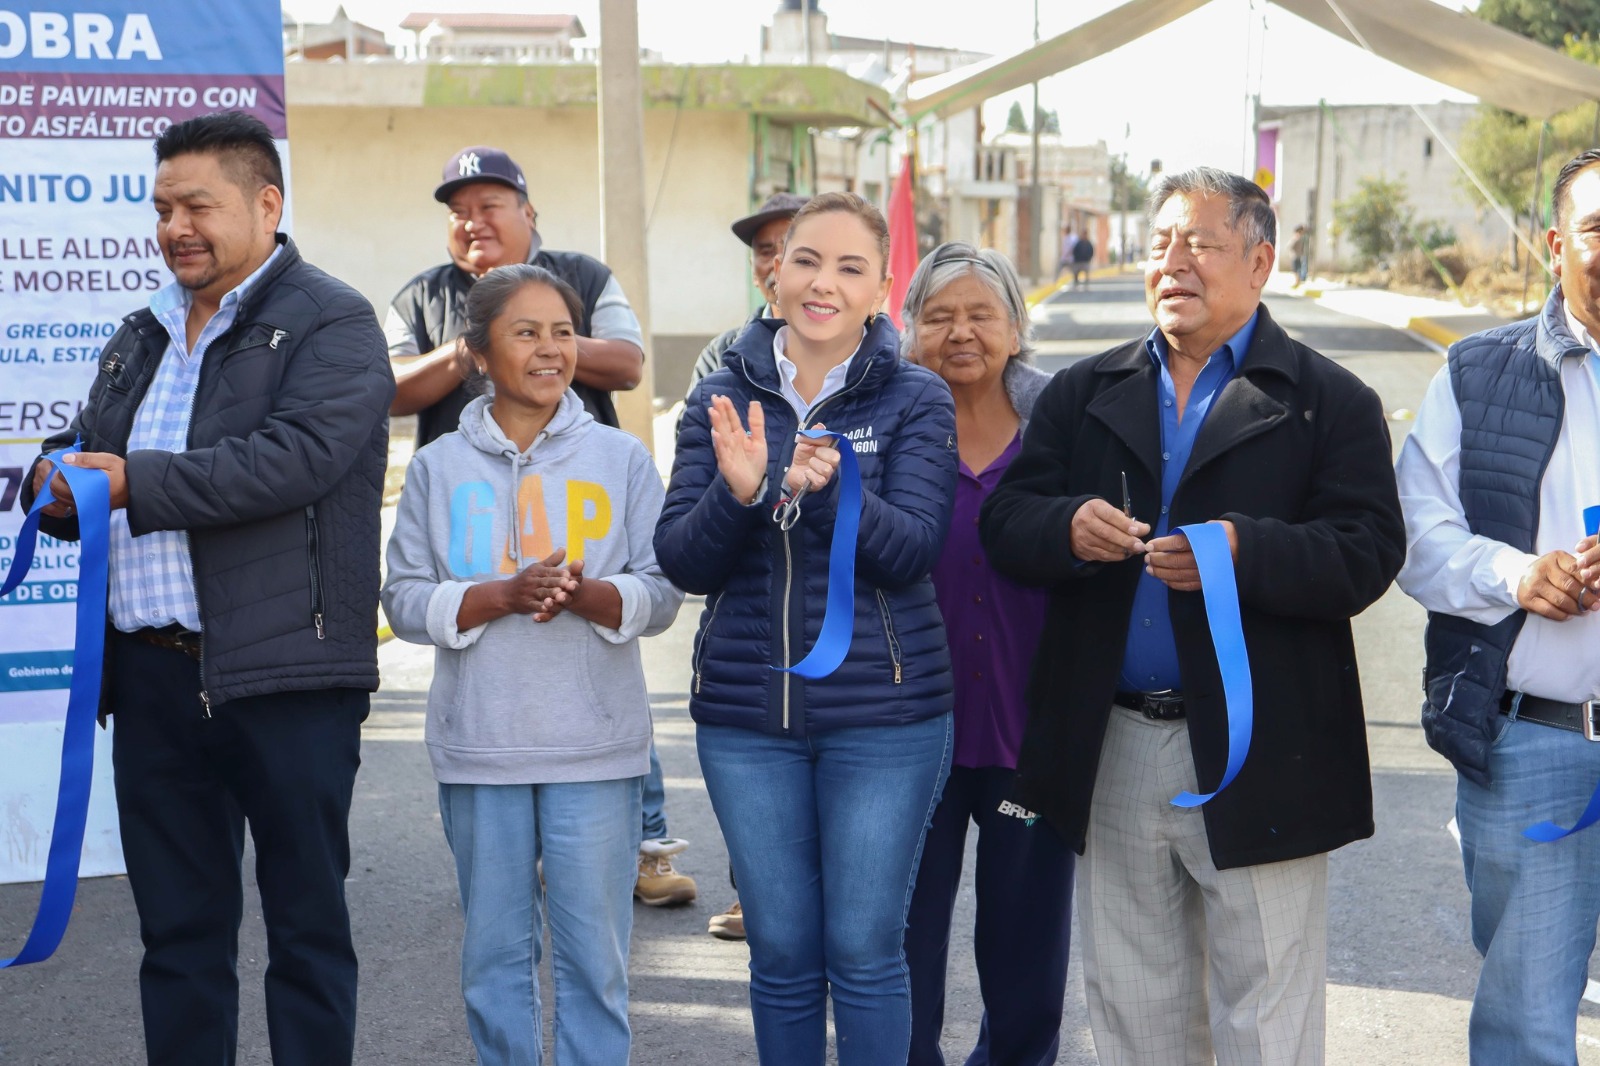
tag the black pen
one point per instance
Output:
(1127, 501)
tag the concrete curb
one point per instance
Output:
(1436, 330)
(1044, 292)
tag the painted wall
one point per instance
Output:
(364, 210)
(1384, 141)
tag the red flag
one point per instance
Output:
(903, 254)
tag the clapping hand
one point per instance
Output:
(741, 455)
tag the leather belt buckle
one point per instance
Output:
(1165, 706)
(1590, 730)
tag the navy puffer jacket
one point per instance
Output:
(766, 590)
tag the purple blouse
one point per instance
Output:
(994, 626)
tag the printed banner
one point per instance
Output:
(85, 88)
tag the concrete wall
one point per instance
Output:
(363, 180)
(1388, 142)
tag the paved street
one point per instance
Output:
(1401, 967)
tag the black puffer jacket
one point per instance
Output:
(282, 484)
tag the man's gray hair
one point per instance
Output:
(1250, 213)
(958, 259)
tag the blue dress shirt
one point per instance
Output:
(1150, 660)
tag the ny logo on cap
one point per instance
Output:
(470, 164)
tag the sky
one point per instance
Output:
(1179, 95)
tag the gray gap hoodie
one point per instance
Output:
(516, 701)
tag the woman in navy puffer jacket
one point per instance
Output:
(824, 787)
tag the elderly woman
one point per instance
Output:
(966, 321)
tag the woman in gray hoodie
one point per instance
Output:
(522, 550)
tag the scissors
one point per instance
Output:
(787, 512)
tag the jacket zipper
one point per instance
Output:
(313, 552)
(188, 542)
(188, 538)
(788, 564)
(788, 551)
(705, 638)
(788, 589)
(888, 631)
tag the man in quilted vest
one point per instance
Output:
(1494, 480)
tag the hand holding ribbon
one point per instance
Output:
(91, 498)
(1547, 832)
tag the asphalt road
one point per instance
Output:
(1401, 967)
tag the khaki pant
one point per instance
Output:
(1160, 923)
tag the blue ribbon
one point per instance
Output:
(1545, 832)
(91, 495)
(838, 620)
(1220, 588)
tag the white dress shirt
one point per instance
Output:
(832, 382)
(1450, 569)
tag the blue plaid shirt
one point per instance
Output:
(152, 576)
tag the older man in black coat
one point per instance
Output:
(1216, 416)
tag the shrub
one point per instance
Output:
(1374, 218)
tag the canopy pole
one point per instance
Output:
(1533, 209)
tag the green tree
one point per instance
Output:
(1549, 22)
(1374, 218)
(1016, 122)
(1502, 149)
(1049, 121)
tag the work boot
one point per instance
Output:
(659, 885)
(729, 925)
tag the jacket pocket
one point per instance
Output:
(705, 639)
(314, 565)
(888, 633)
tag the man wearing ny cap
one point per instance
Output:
(763, 232)
(491, 223)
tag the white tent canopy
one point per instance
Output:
(1460, 50)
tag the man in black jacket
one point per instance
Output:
(1216, 416)
(491, 224)
(241, 422)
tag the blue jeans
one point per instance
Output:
(587, 834)
(1534, 906)
(655, 800)
(825, 832)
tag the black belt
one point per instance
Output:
(172, 637)
(1573, 717)
(1156, 706)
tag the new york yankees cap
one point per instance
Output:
(479, 163)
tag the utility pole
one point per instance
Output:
(622, 211)
(1314, 196)
(1035, 195)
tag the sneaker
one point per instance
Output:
(729, 925)
(659, 885)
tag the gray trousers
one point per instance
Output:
(1183, 962)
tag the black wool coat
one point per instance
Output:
(1295, 452)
